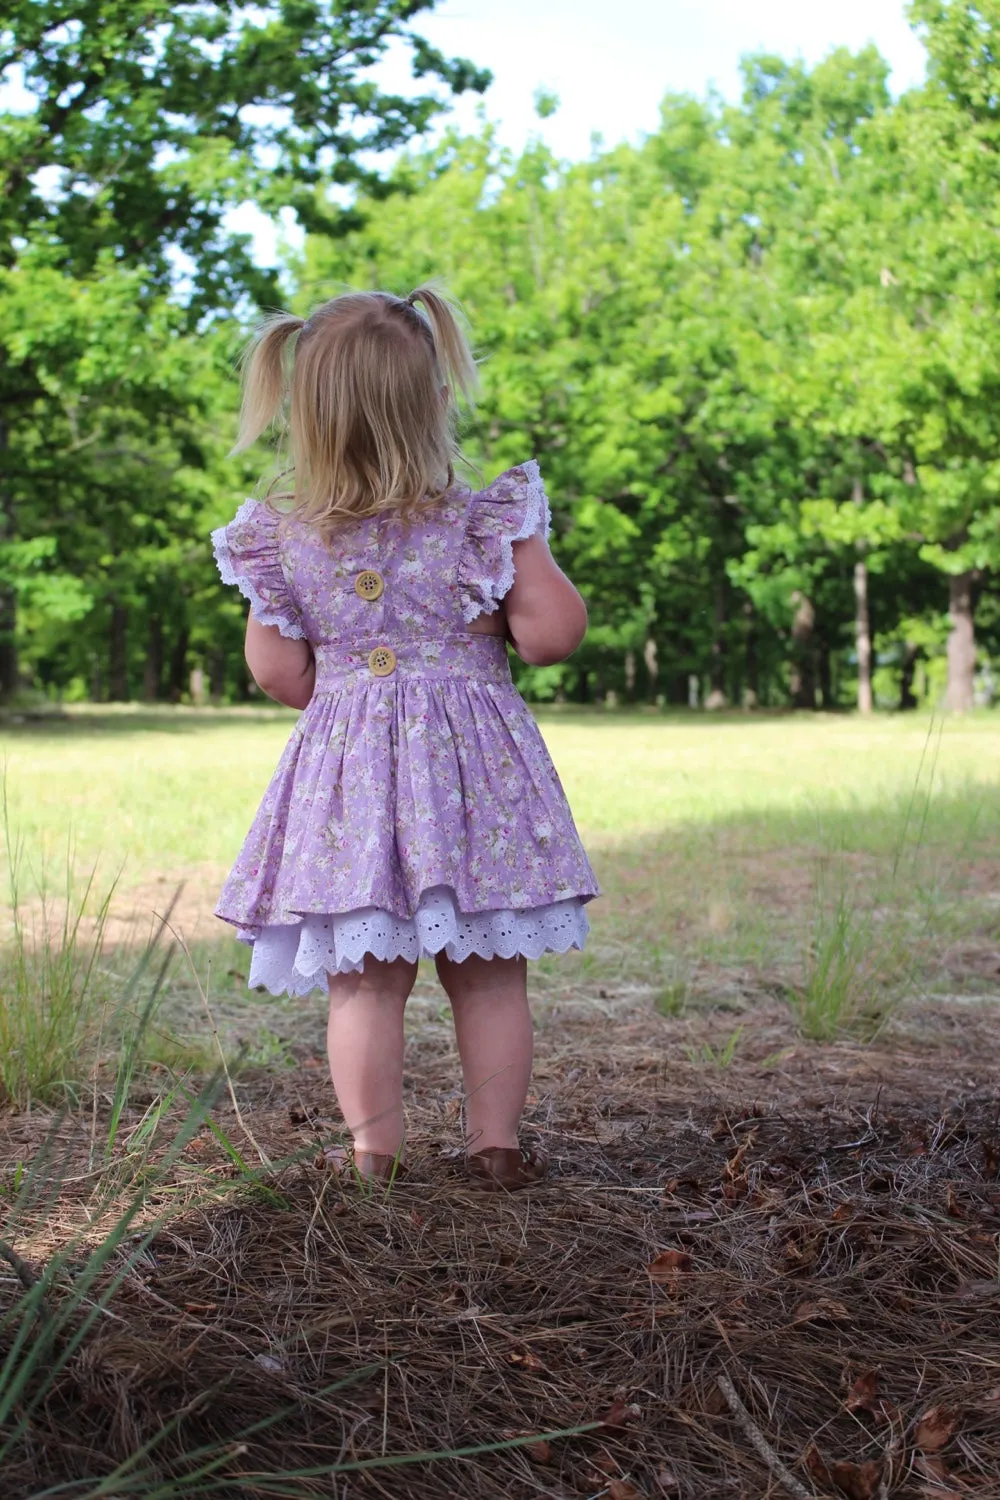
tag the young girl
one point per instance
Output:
(415, 811)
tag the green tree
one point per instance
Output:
(148, 124)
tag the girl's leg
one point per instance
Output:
(365, 1044)
(489, 1000)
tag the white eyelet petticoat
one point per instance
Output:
(296, 958)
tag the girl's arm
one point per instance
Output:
(546, 617)
(283, 669)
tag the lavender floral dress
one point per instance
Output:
(415, 808)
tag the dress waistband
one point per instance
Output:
(478, 658)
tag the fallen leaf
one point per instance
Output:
(935, 1428)
(823, 1310)
(525, 1359)
(605, 1463)
(817, 1467)
(857, 1481)
(841, 1212)
(991, 1158)
(734, 1166)
(955, 1208)
(538, 1450)
(678, 1185)
(200, 1307)
(734, 1189)
(621, 1489)
(621, 1414)
(667, 1481)
(713, 1401)
(800, 1257)
(971, 1291)
(668, 1265)
(863, 1395)
(932, 1467)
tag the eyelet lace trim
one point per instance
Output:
(537, 518)
(227, 572)
(297, 958)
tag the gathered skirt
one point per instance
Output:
(409, 815)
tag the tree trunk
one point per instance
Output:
(629, 675)
(717, 671)
(153, 668)
(825, 662)
(961, 645)
(9, 669)
(907, 697)
(118, 655)
(216, 674)
(752, 697)
(651, 660)
(803, 676)
(178, 665)
(862, 636)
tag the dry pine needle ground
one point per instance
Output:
(775, 1278)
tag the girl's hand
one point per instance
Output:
(283, 669)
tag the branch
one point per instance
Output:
(758, 1441)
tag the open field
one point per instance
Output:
(735, 854)
(767, 1258)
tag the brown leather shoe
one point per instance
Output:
(364, 1166)
(505, 1169)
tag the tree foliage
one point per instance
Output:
(756, 353)
(119, 269)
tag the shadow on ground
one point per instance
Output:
(780, 1270)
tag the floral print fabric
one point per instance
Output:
(433, 775)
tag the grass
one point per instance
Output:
(839, 862)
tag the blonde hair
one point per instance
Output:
(370, 393)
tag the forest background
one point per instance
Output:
(756, 353)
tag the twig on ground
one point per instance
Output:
(760, 1442)
(21, 1269)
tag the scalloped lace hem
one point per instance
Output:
(227, 572)
(537, 517)
(296, 958)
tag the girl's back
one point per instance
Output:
(384, 579)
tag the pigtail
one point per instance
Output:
(264, 380)
(451, 340)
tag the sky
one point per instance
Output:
(611, 63)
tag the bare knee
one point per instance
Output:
(477, 977)
(388, 983)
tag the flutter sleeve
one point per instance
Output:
(247, 553)
(513, 508)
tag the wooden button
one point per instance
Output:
(382, 661)
(369, 585)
